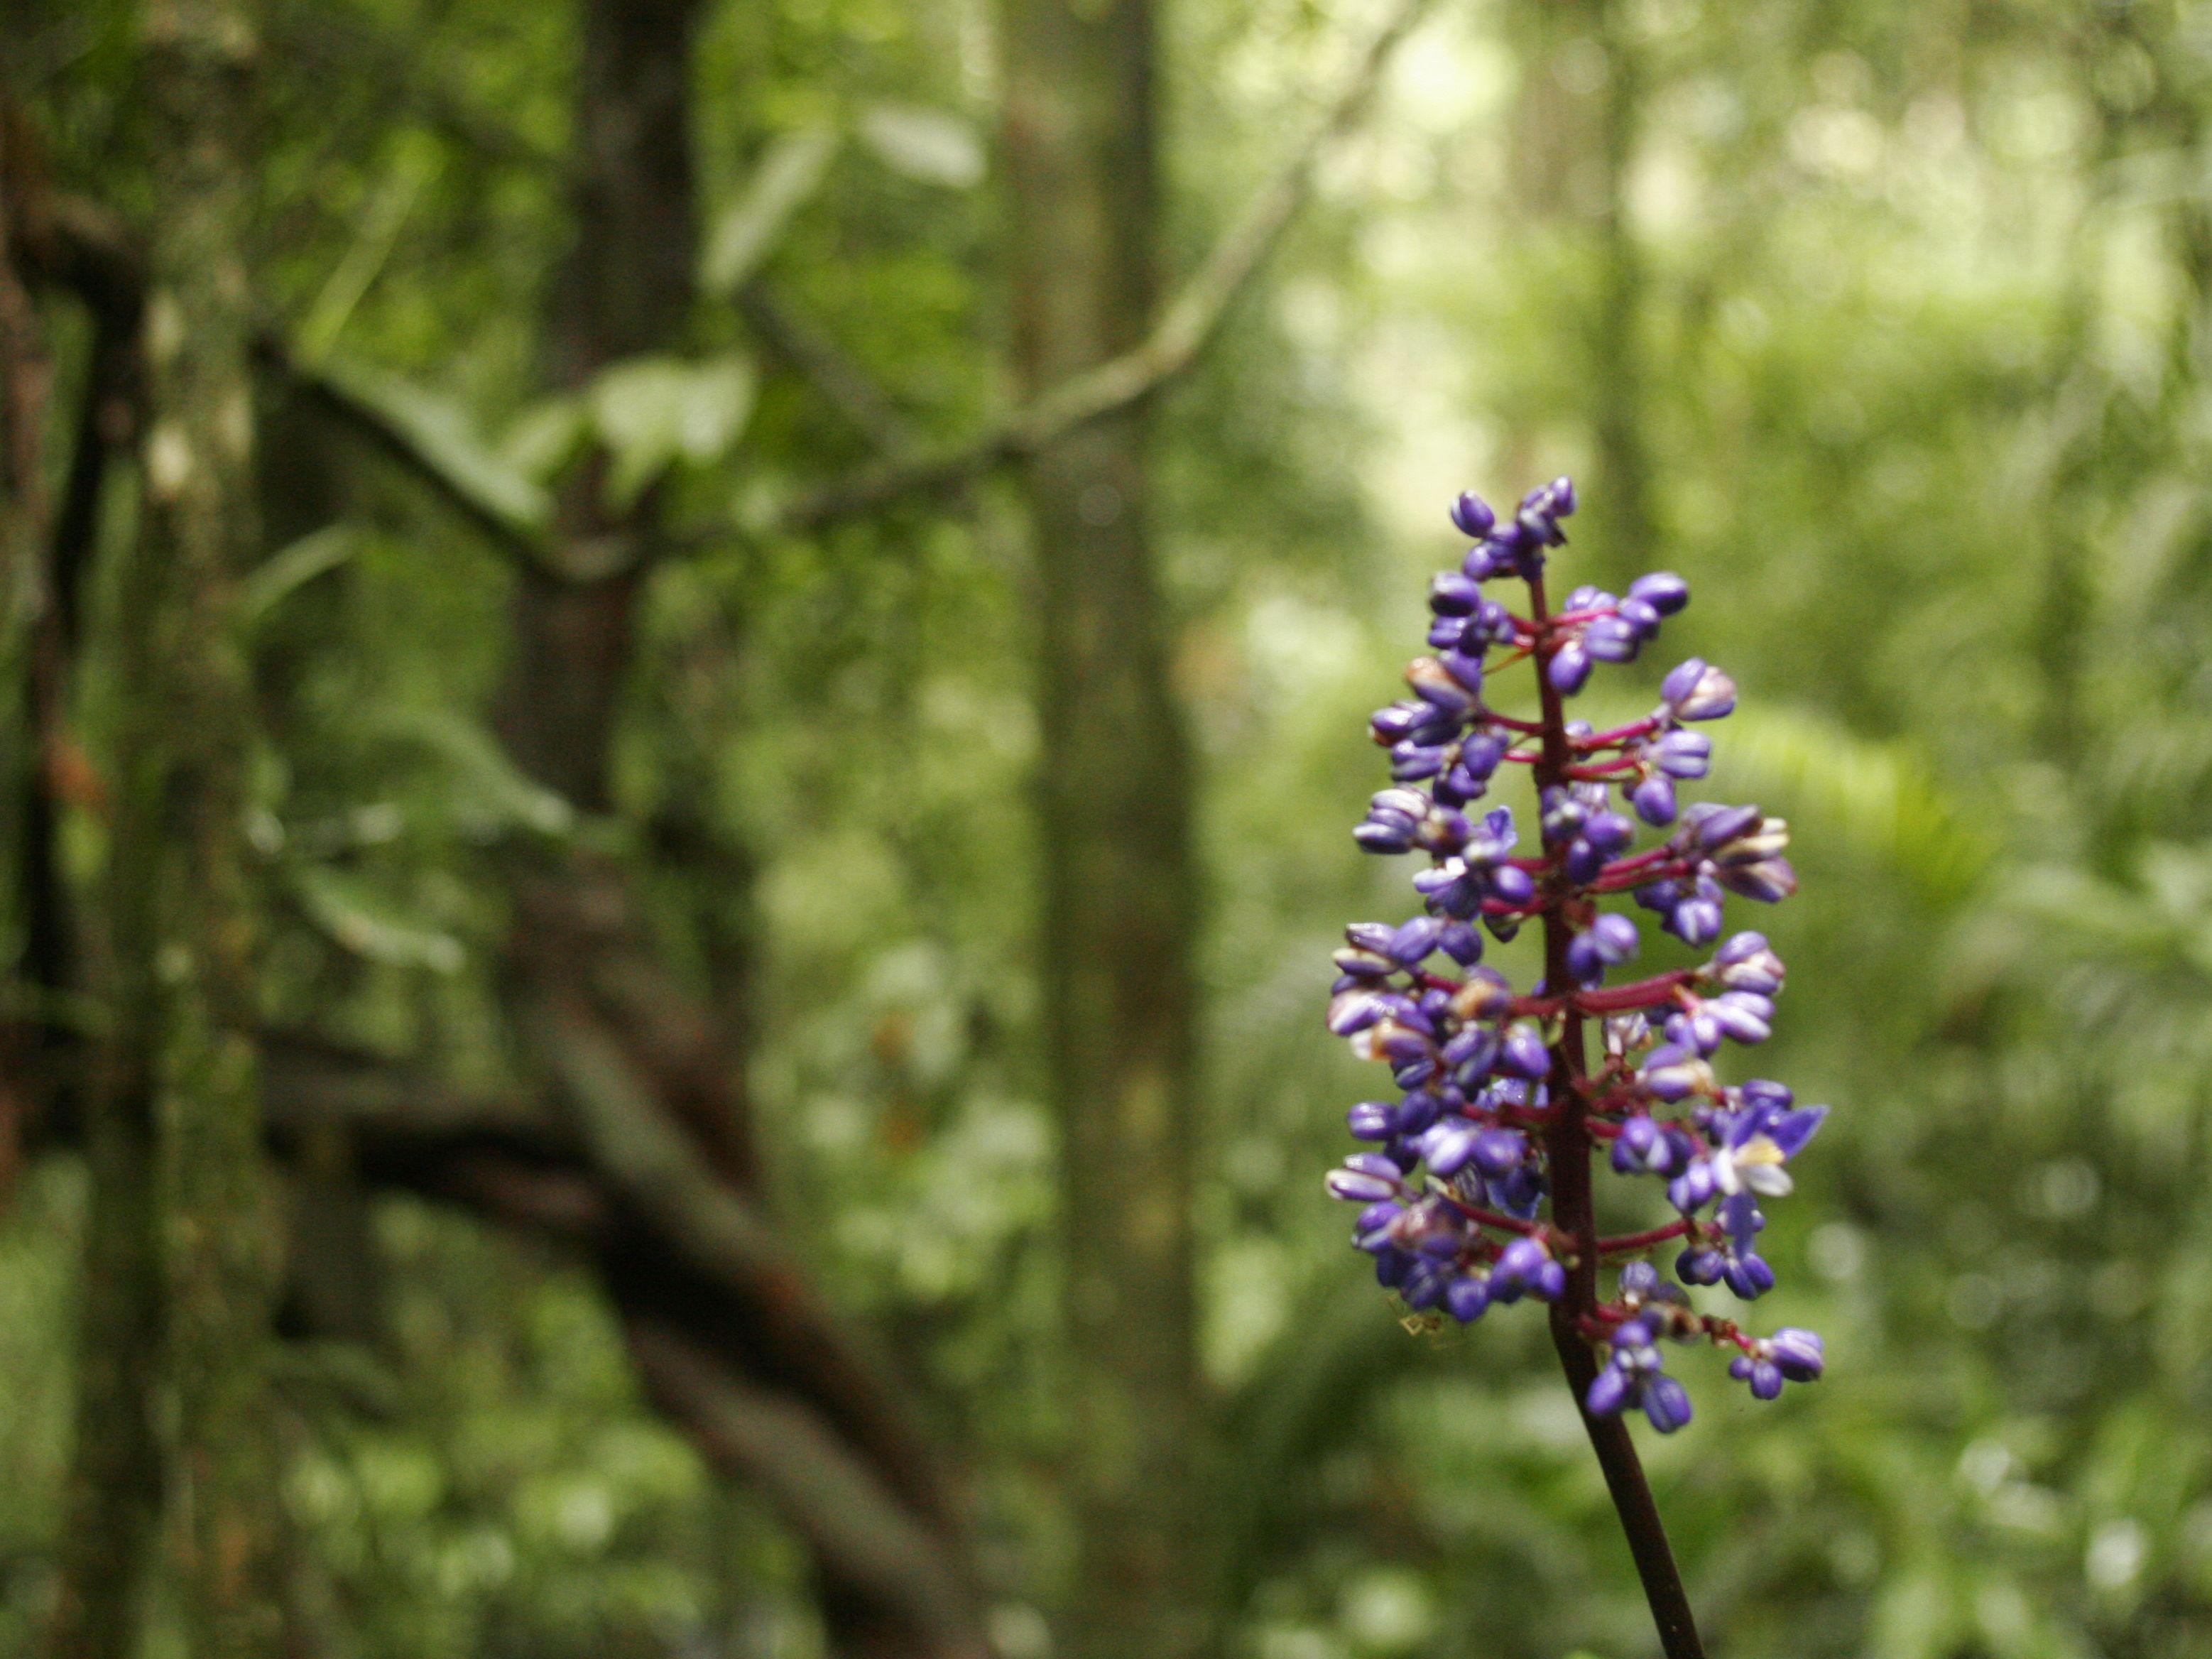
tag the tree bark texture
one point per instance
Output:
(181, 806)
(1080, 143)
(640, 1177)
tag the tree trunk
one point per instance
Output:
(182, 808)
(627, 1050)
(1118, 911)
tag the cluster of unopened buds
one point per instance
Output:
(1477, 1189)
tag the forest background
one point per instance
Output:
(665, 934)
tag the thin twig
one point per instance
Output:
(843, 384)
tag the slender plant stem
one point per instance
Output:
(1567, 1142)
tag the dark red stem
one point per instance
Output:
(1567, 1143)
(1644, 1240)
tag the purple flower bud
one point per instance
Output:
(1362, 964)
(1641, 616)
(1710, 828)
(1639, 1279)
(1382, 838)
(1612, 639)
(1608, 832)
(1697, 691)
(1499, 1151)
(1472, 515)
(1483, 995)
(1569, 668)
(1740, 1018)
(1512, 884)
(1375, 1217)
(1371, 1120)
(1433, 684)
(1357, 1187)
(1400, 1041)
(1424, 1287)
(1453, 594)
(1447, 1147)
(1667, 1403)
(1798, 1352)
(1416, 1112)
(1663, 590)
(1411, 942)
(1446, 632)
(1411, 804)
(1768, 880)
(1354, 1011)
(1548, 1283)
(1695, 920)
(1525, 1054)
(1673, 1072)
(1683, 754)
(1483, 560)
(1396, 723)
(1630, 1334)
(1699, 1264)
(1373, 936)
(1410, 762)
(1608, 1393)
(1480, 752)
(1749, 1276)
(1654, 800)
(1466, 1298)
(1460, 943)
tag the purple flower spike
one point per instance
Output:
(1469, 1183)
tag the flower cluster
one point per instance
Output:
(1462, 1206)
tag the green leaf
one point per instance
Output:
(368, 923)
(1881, 797)
(444, 440)
(743, 233)
(927, 144)
(545, 437)
(491, 788)
(294, 566)
(653, 411)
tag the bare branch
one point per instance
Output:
(859, 1531)
(844, 386)
(1185, 327)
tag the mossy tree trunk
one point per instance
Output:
(1120, 911)
(184, 1230)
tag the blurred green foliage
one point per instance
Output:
(1917, 376)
